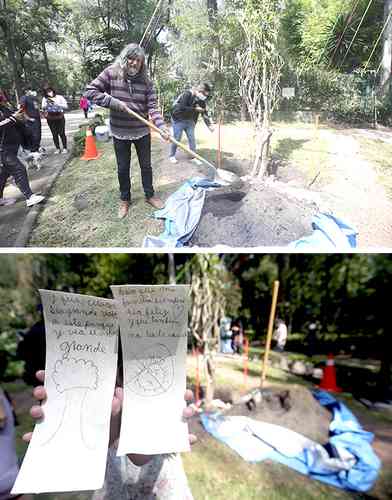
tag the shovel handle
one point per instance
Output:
(171, 138)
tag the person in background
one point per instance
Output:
(32, 349)
(8, 459)
(122, 85)
(30, 105)
(237, 336)
(225, 335)
(13, 134)
(53, 107)
(280, 335)
(185, 113)
(84, 105)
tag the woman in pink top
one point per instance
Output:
(84, 105)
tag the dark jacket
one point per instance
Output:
(13, 135)
(184, 108)
(31, 105)
(31, 349)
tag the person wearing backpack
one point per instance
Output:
(53, 106)
(185, 114)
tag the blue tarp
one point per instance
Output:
(346, 461)
(329, 233)
(182, 212)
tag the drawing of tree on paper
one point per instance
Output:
(75, 378)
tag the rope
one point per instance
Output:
(356, 33)
(156, 24)
(344, 31)
(150, 23)
(378, 39)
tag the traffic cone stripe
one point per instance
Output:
(330, 362)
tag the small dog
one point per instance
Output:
(31, 159)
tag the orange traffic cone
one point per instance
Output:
(328, 382)
(90, 149)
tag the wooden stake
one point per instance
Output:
(219, 156)
(246, 360)
(269, 332)
(197, 389)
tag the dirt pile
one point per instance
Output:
(253, 215)
(294, 408)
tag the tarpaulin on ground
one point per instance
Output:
(329, 233)
(346, 461)
(182, 212)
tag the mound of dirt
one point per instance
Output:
(297, 410)
(253, 215)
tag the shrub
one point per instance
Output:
(10, 368)
(80, 135)
(341, 97)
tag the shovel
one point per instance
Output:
(220, 175)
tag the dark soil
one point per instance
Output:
(253, 215)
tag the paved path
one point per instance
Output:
(13, 218)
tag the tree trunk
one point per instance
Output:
(212, 8)
(244, 110)
(263, 140)
(127, 15)
(387, 45)
(172, 269)
(46, 60)
(11, 52)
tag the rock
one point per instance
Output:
(284, 363)
(298, 368)
(317, 373)
(220, 405)
(309, 368)
(80, 201)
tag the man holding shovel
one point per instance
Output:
(185, 114)
(122, 86)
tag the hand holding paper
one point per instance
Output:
(153, 328)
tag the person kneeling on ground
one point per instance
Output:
(13, 134)
(120, 86)
(185, 114)
(159, 477)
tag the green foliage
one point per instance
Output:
(80, 135)
(9, 368)
(342, 97)
(331, 33)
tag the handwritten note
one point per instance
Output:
(69, 447)
(153, 328)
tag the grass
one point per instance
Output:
(215, 472)
(379, 154)
(301, 150)
(62, 224)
